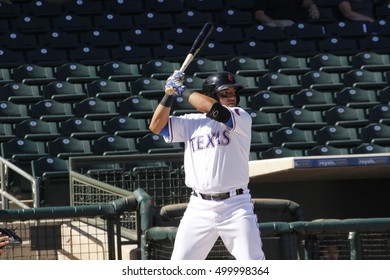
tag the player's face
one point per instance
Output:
(228, 97)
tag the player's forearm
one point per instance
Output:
(201, 102)
(159, 119)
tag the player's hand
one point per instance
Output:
(174, 84)
(4, 241)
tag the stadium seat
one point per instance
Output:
(119, 71)
(321, 80)
(89, 55)
(142, 36)
(51, 110)
(137, 107)
(64, 91)
(20, 93)
(246, 66)
(53, 173)
(112, 21)
(260, 141)
(269, 101)
(338, 45)
(13, 113)
(193, 82)
(171, 51)
(58, 39)
(201, 5)
(74, 72)
(226, 34)
(384, 94)
(114, 145)
(302, 118)
(9, 11)
(72, 23)
(264, 121)
(125, 7)
(47, 56)
(346, 116)
(235, 17)
(376, 133)
(313, 99)
(371, 61)
(218, 51)
(354, 29)
(36, 130)
(6, 132)
(100, 38)
(107, 90)
(165, 6)
(368, 148)
(193, 18)
(94, 108)
(126, 126)
(81, 128)
(241, 4)
(83, 8)
(256, 49)
(306, 30)
(32, 74)
(5, 76)
(154, 20)
(280, 152)
(375, 43)
(297, 47)
(293, 138)
(147, 87)
(326, 150)
(10, 58)
(278, 82)
(18, 41)
(249, 83)
(66, 146)
(287, 64)
(202, 67)
(265, 33)
(356, 97)
(158, 68)
(337, 136)
(182, 106)
(181, 35)
(382, 11)
(329, 62)
(18, 149)
(364, 79)
(152, 143)
(30, 24)
(379, 114)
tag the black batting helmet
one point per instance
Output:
(220, 81)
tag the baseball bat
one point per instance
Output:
(197, 45)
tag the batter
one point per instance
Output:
(217, 144)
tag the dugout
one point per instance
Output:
(331, 187)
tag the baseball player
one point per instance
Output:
(217, 143)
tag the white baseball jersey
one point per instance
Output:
(216, 156)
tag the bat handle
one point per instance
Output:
(186, 62)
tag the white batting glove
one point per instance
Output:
(174, 84)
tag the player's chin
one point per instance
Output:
(231, 104)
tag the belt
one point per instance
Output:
(218, 196)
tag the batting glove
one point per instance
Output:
(174, 84)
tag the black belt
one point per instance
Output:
(217, 196)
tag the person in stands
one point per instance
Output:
(359, 10)
(283, 13)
